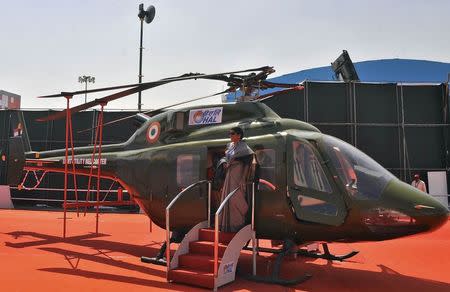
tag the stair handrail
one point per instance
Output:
(216, 229)
(168, 214)
(216, 223)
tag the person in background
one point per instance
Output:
(238, 167)
(418, 183)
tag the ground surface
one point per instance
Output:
(34, 257)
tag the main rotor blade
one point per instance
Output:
(268, 95)
(156, 111)
(269, 84)
(100, 101)
(187, 76)
(143, 86)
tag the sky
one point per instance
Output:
(46, 45)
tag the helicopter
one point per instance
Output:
(311, 187)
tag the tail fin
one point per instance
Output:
(15, 161)
(13, 149)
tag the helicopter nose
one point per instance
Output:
(426, 212)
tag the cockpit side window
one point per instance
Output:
(363, 178)
(307, 169)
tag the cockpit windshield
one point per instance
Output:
(363, 177)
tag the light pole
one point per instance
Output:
(86, 79)
(148, 15)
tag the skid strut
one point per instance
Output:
(274, 278)
(160, 258)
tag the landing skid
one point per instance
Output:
(326, 254)
(154, 260)
(275, 277)
(160, 258)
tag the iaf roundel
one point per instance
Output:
(153, 132)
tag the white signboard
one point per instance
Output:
(437, 186)
(205, 116)
(5, 198)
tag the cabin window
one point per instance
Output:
(188, 169)
(266, 161)
(307, 170)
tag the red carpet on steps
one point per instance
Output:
(34, 257)
(196, 268)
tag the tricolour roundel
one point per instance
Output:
(153, 132)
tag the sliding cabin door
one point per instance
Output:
(188, 166)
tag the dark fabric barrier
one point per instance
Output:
(288, 104)
(380, 143)
(423, 104)
(425, 147)
(376, 103)
(328, 102)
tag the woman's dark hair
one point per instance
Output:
(238, 131)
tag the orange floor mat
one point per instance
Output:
(34, 257)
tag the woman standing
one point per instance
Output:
(238, 164)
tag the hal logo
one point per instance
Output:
(205, 116)
(228, 268)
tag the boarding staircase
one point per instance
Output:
(207, 257)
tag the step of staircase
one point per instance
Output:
(196, 267)
(192, 277)
(197, 261)
(206, 248)
(207, 234)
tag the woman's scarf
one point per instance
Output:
(236, 150)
